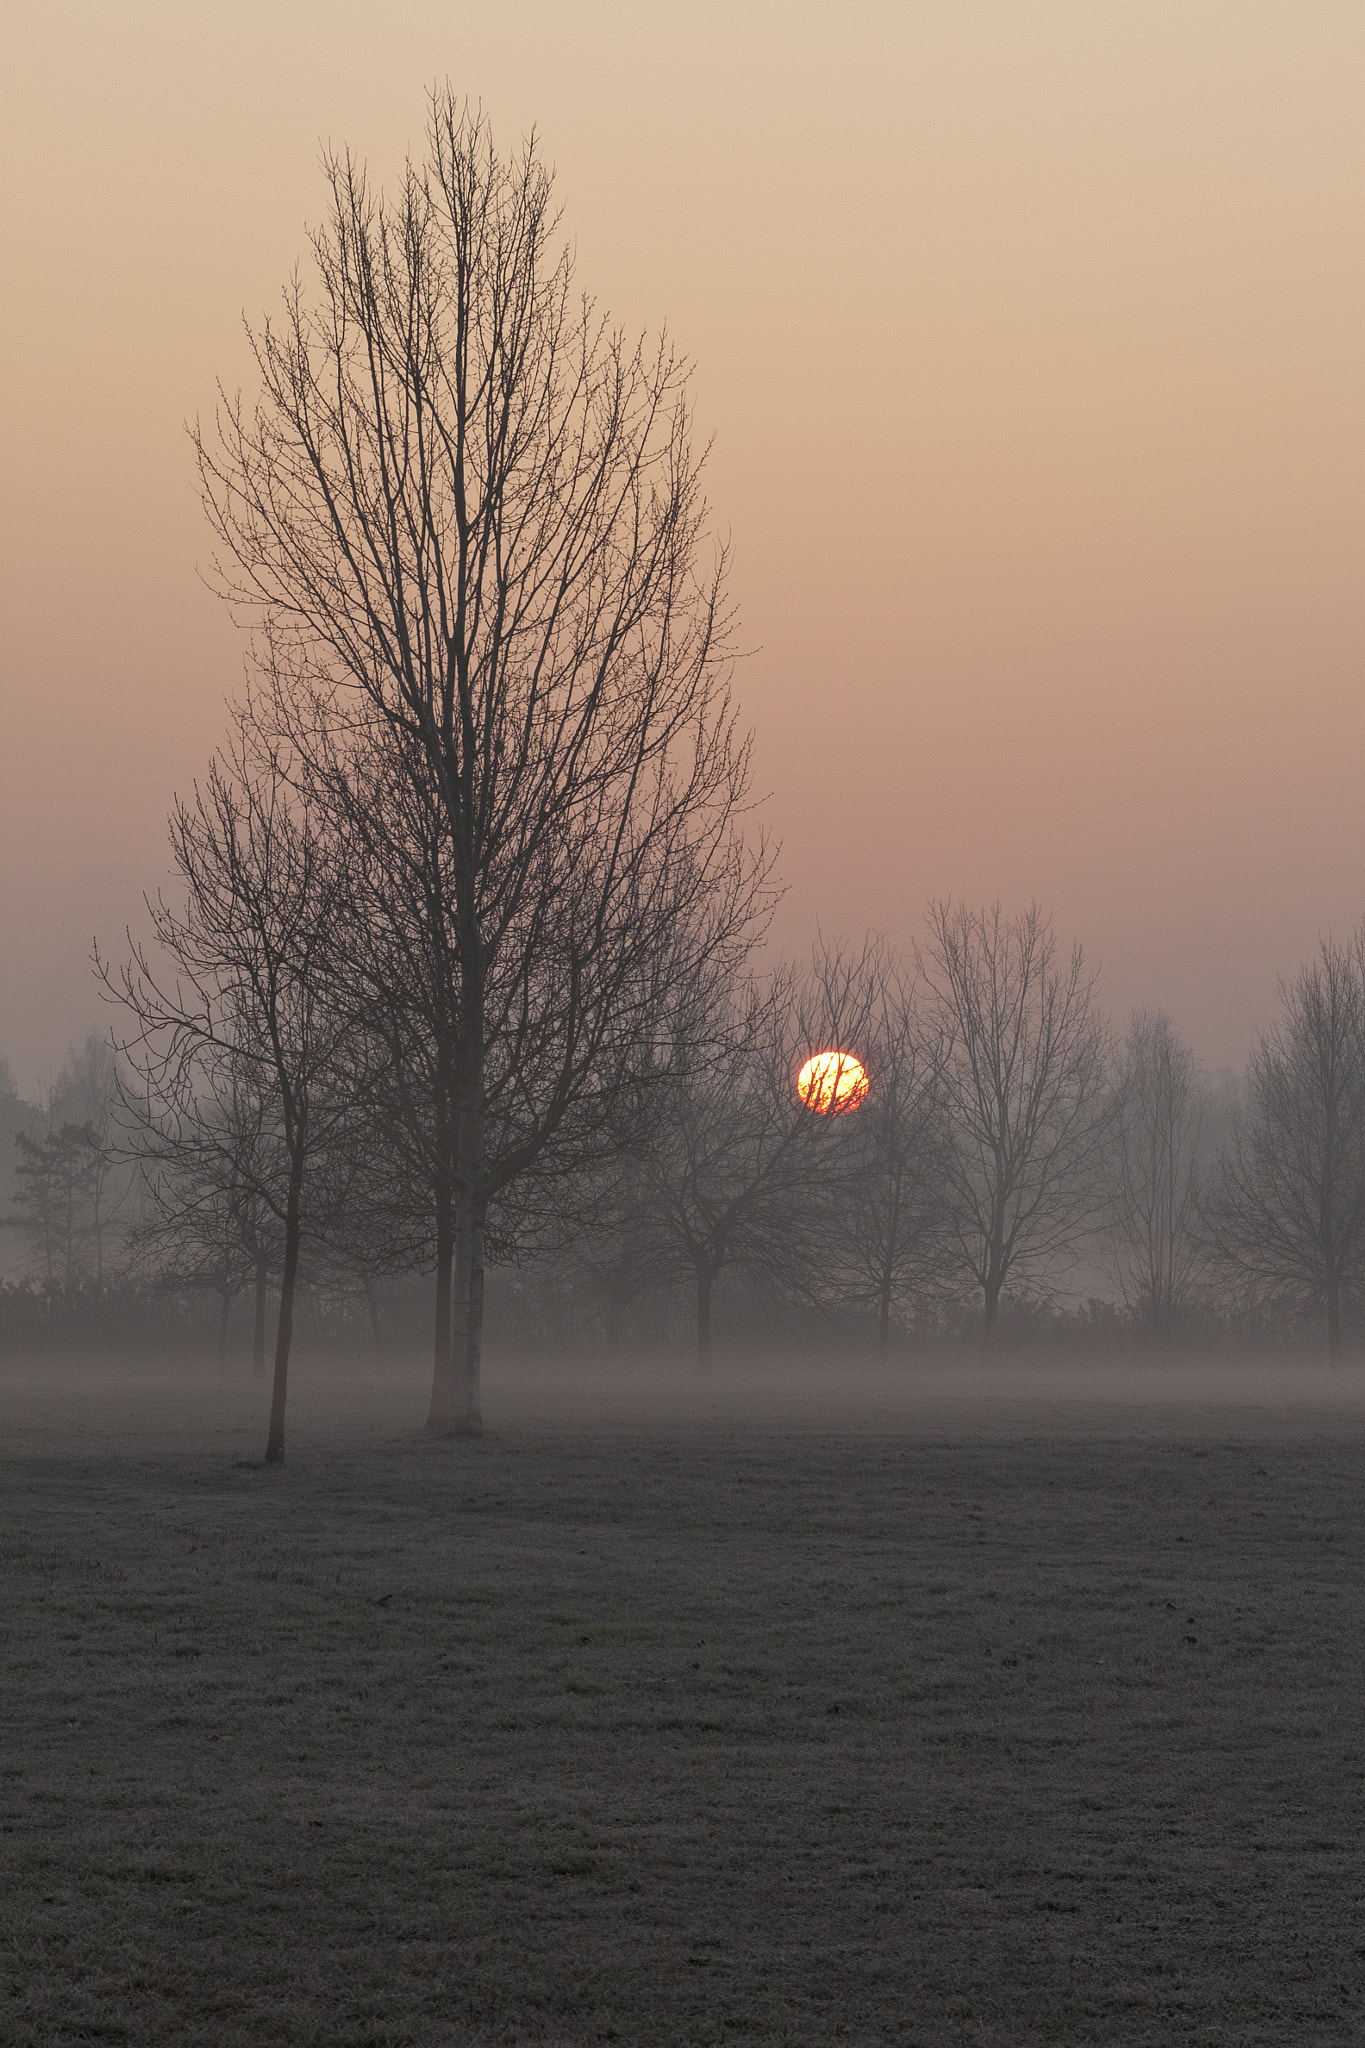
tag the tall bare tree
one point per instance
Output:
(1024, 1088)
(1287, 1211)
(1155, 1158)
(463, 503)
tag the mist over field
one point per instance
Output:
(75, 1406)
(795, 1705)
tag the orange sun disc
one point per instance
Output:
(832, 1083)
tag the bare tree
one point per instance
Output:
(464, 504)
(187, 1241)
(87, 1092)
(1287, 1212)
(1156, 1150)
(244, 991)
(56, 1181)
(602, 1245)
(736, 1169)
(886, 1229)
(15, 1115)
(203, 1224)
(69, 1189)
(1024, 1091)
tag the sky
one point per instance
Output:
(1031, 340)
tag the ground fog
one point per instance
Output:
(920, 1709)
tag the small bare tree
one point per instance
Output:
(69, 1188)
(1024, 1090)
(736, 1169)
(886, 1228)
(57, 1178)
(202, 1223)
(1286, 1215)
(241, 989)
(87, 1091)
(1155, 1155)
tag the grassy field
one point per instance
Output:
(1037, 1722)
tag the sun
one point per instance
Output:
(832, 1083)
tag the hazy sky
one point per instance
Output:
(1032, 338)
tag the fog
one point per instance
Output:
(123, 1409)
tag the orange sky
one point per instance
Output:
(1033, 343)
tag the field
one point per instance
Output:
(913, 1712)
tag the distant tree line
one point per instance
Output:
(1015, 1175)
(68, 1191)
(461, 965)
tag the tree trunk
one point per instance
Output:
(705, 1282)
(438, 1415)
(888, 1271)
(274, 1448)
(226, 1296)
(258, 1325)
(884, 1319)
(372, 1307)
(468, 1416)
(996, 1268)
(1334, 1319)
(70, 1247)
(469, 1422)
(991, 1317)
